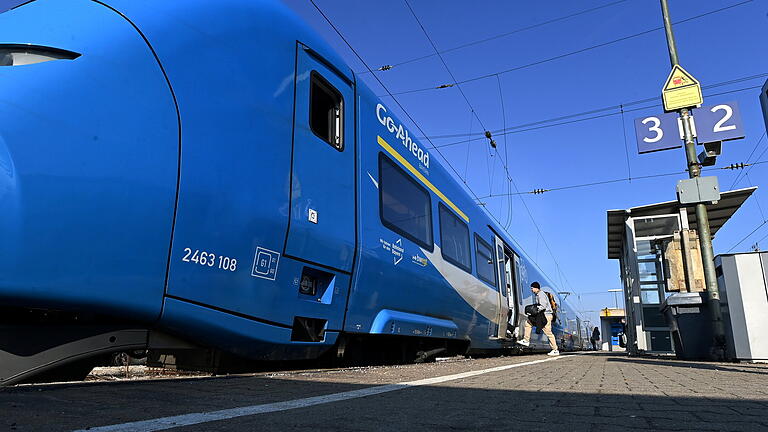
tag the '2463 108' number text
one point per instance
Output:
(209, 259)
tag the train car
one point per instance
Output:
(209, 180)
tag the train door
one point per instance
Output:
(521, 279)
(322, 209)
(511, 286)
(580, 333)
(502, 283)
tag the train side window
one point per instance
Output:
(484, 261)
(326, 111)
(405, 206)
(454, 239)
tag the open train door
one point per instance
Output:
(511, 261)
(504, 301)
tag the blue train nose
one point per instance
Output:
(89, 146)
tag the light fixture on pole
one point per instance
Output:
(615, 297)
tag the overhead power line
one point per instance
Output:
(733, 166)
(499, 36)
(620, 106)
(437, 53)
(757, 144)
(568, 54)
(544, 124)
(747, 236)
(488, 135)
(333, 26)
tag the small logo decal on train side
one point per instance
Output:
(419, 260)
(265, 263)
(396, 248)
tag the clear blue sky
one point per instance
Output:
(718, 47)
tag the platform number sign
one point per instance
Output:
(712, 123)
(657, 132)
(721, 122)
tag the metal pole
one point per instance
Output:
(705, 238)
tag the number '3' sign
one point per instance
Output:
(659, 132)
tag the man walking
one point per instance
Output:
(542, 301)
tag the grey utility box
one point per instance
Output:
(698, 190)
(689, 322)
(743, 283)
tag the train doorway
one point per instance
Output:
(510, 263)
(505, 260)
(322, 207)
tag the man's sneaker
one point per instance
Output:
(553, 353)
(524, 342)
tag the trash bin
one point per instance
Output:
(689, 322)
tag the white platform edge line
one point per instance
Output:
(164, 423)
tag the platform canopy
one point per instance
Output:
(719, 214)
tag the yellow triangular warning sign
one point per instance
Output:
(681, 90)
(679, 77)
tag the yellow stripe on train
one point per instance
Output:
(420, 176)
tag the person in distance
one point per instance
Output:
(595, 337)
(541, 300)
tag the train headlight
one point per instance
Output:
(20, 55)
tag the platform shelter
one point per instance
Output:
(612, 329)
(646, 241)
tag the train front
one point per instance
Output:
(89, 143)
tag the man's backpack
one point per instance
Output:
(552, 302)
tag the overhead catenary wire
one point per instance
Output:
(626, 144)
(469, 189)
(544, 124)
(761, 239)
(747, 236)
(568, 54)
(757, 201)
(612, 107)
(757, 144)
(498, 36)
(442, 60)
(623, 179)
(508, 222)
(488, 135)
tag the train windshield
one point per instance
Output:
(19, 55)
(10, 4)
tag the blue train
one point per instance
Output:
(208, 179)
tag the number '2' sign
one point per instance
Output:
(721, 122)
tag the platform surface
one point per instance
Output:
(580, 392)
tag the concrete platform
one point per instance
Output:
(582, 392)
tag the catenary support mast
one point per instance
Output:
(702, 219)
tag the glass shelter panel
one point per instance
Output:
(656, 226)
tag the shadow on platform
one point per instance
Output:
(528, 403)
(733, 367)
